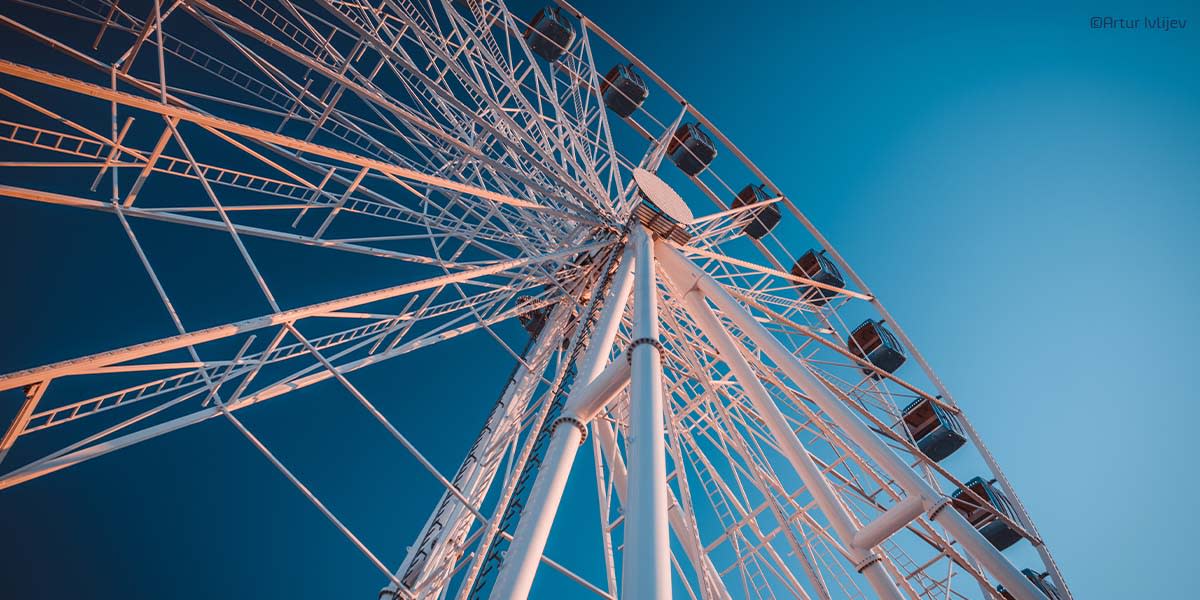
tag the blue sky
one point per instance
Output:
(1021, 190)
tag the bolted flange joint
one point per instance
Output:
(635, 343)
(868, 560)
(572, 421)
(937, 507)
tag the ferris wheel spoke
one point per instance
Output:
(369, 93)
(195, 381)
(183, 219)
(488, 55)
(357, 205)
(140, 103)
(224, 410)
(432, 132)
(855, 494)
(281, 96)
(317, 60)
(139, 351)
(94, 446)
(481, 96)
(322, 115)
(826, 468)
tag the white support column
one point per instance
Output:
(938, 506)
(592, 388)
(646, 570)
(679, 522)
(436, 544)
(866, 562)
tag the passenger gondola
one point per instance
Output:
(623, 90)
(999, 533)
(874, 343)
(765, 217)
(691, 149)
(549, 33)
(817, 267)
(937, 432)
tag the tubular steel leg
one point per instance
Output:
(533, 529)
(682, 270)
(646, 571)
(866, 562)
(436, 539)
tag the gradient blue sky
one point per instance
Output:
(1021, 190)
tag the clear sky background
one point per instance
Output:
(1021, 190)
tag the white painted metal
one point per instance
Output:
(885, 525)
(449, 520)
(430, 135)
(662, 195)
(593, 388)
(866, 561)
(647, 571)
(862, 436)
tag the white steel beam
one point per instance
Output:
(866, 562)
(592, 390)
(103, 93)
(33, 395)
(892, 520)
(646, 570)
(59, 460)
(76, 365)
(439, 538)
(858, 432)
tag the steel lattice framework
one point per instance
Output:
(743, 447)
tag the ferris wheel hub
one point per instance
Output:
(662, 196)
(661, 210)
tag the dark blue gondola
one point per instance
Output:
(623, 90)
(815, 266)
(765, 218)
(691, 149)
(876, 344)
(996, 531)
(1040, 580)
(937, 433)
(549, 33)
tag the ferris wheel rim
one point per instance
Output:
(577, 211)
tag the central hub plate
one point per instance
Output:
(662, 196)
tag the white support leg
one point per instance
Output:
(437, 544)
(681, 269)
(592, 388)
(646, 571)
(679, 523)
(866, 562)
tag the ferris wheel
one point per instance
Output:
(759, 424)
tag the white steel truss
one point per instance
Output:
(744, 446)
